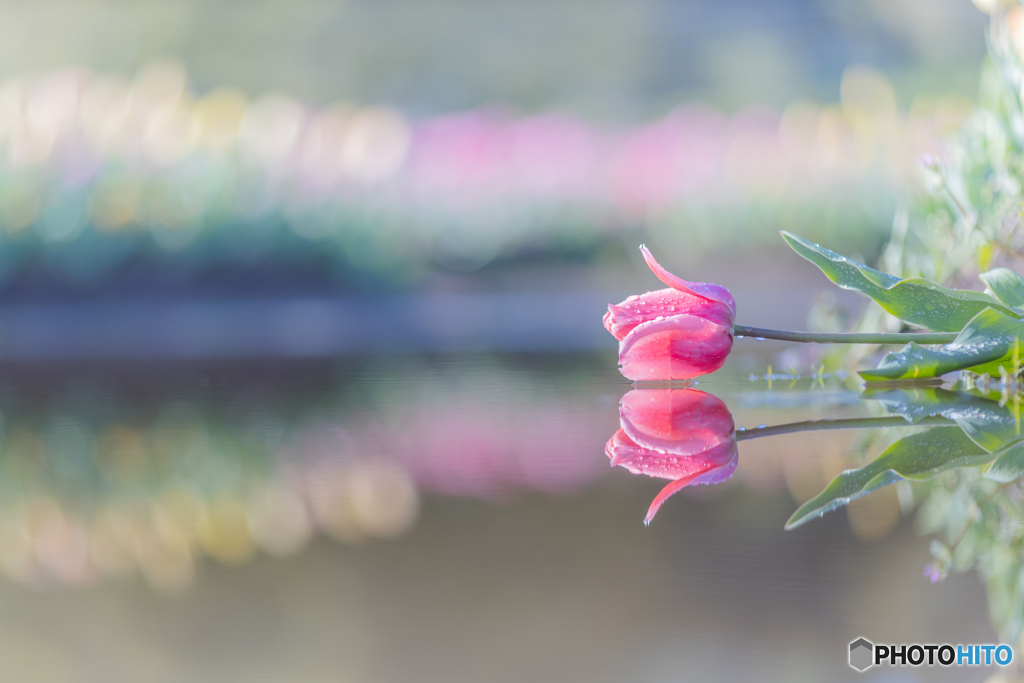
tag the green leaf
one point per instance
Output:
(986, 423)
(987, 341)
(915, 300)
(918, 457)
(1006, 285)
(1009, 465)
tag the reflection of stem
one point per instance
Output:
(851, 423)
(847, 338)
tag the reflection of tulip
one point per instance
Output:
(675, 333)
(680, 434)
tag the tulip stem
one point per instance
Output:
(846, 338)
(828, 424)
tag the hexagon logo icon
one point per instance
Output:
(862, 653)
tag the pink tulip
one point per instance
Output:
(684, 435)
(674, 333)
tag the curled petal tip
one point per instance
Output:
(671, 489)
(709, 291)
(651, 511)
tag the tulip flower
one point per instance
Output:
(687, 330)
(684, 435)
(676, 333)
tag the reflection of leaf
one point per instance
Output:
(1009, 465)
(915, 300)
(985, 342)
(1006, 285)
(988, 424)
(918, 456)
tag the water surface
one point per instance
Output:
(441, 518)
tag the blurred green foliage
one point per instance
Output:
(968, 223)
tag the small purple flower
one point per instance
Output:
(935, 571)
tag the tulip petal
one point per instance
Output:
(712, 475)
(677, 421)
(705, 290)
(662, 303)
(677, 347)
(666, 493)
(726, 457)
(626, 453)
(620, 449)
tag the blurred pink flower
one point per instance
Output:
(680, 434)
(675, 333)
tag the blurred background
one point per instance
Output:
(301, 369)
(330, 152)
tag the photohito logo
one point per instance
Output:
(861, 654)
(864, 654)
